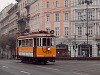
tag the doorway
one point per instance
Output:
(85, 50)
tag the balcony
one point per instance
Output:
(21, 19)
(27, 5)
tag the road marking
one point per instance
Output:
(79, 73)
(4, 66)
(48, 68)
(96, 64)
(25, 72)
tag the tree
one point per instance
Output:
(8, 44)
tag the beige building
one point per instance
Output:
(23, 14)
(12, 24)
(8, 24)
(4, 19)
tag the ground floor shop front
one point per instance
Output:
(92, 49)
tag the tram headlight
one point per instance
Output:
(48, 49)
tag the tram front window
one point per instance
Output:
(48, 42)
(44, 41)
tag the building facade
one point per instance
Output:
(68, 18)
(8, 25)
(79, 27)
(23, 15)
(12, 24)
(4, 19)
(52, 15)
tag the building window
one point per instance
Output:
(56, 3)
(79, 15)
(79, 2)
(66, 3)
(90, 16)
(57, 17)
(99, 15)
(90, 30)
(25, 2)
(36, 7)
(47, 17)
(66, 16)
(21, 7)
(57, 31)
(48, 29)
(47, 4)
(66, 31)
(79, 31)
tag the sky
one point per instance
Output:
(4, 3)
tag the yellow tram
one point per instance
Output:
(36, 47)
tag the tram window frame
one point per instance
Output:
(40, 41)
(35, 43)
(53, 41)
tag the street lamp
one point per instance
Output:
(87, 2)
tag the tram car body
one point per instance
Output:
(36, 47)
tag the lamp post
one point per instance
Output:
(87, 2)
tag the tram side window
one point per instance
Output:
(52, 42)
(23, 43)
(26, 42)
(20, 44)
(44, 41)
(30, 42)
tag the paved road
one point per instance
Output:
(15, 67)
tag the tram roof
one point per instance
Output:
(36, 35)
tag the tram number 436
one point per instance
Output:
(48, 52)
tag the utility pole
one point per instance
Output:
(87, 2)
(75, 45)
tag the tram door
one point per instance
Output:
(85, 51)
